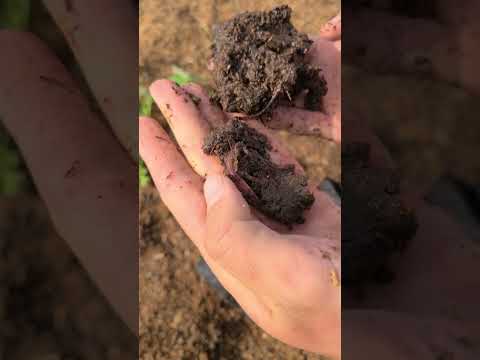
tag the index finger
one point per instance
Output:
(187, 123)
(180, 188)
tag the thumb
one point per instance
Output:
(245, 247)
(226, 208)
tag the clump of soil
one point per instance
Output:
(259, 62)
(277, 191)
(376, 224)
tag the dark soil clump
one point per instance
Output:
(375, 222)
(274, 190)
(259, 62)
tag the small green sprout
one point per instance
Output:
(145, 102)
(145, 109)
(181, 77)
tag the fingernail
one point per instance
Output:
(213, 189)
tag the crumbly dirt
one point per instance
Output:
(259, 60)
(380, 226)
(277, 191)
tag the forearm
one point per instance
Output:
(103, 36)
(89, 190)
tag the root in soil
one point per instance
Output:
(277, 191)
(376, 224)
(259, 62)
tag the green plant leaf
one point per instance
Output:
(143, 174)
(145, 102)
(181, 77)
(14, 14)
(145, 109)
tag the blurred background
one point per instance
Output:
(401, 71)
(409, 72)
(49, 308)
(181, 315)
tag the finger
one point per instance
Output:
(235, 239)
(87, 182)
(338, 45)
(304, 122)
(325, 55)
(332, 30)
(187, 124)
(180, 188)
(213, 114)
(232, 208)
(107, 53)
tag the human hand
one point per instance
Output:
(287, 281)
(81, 171)
(433, 300)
